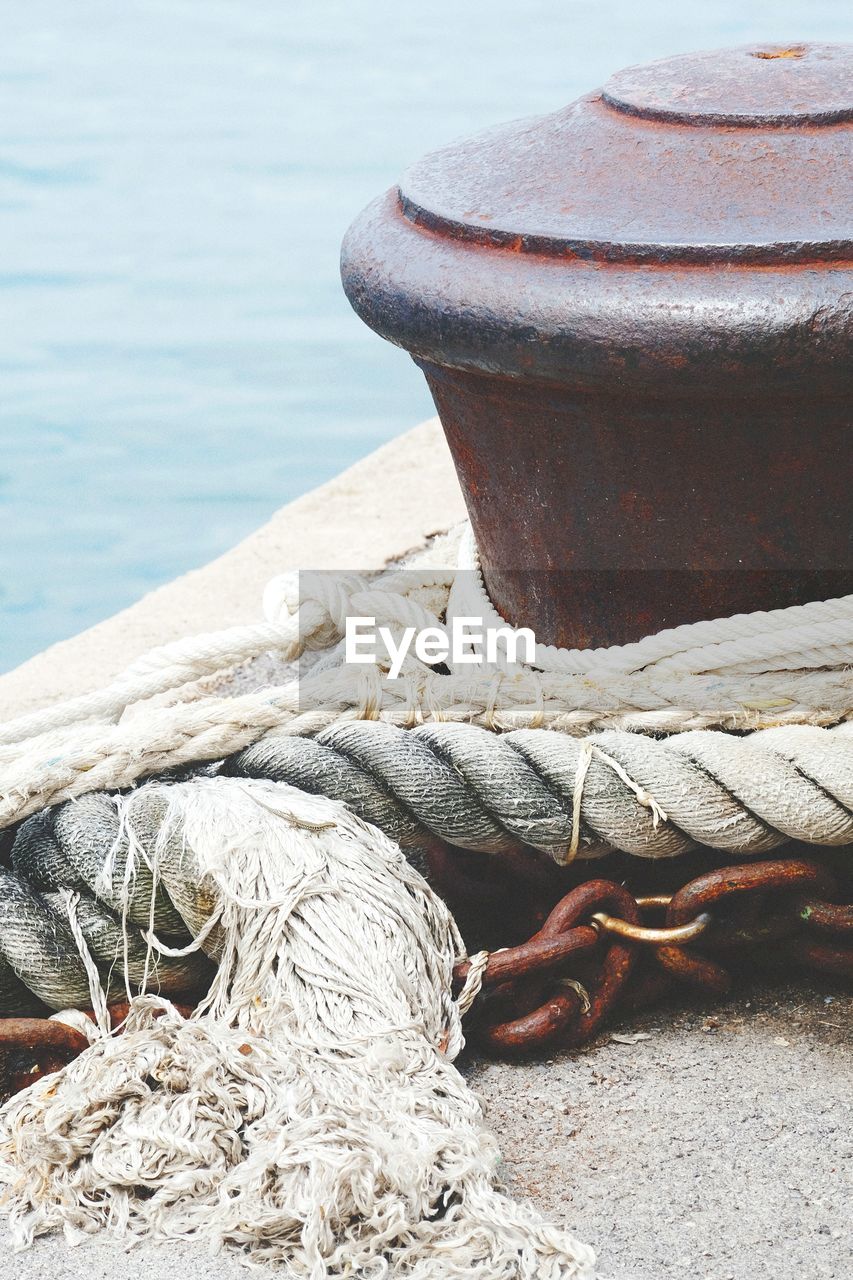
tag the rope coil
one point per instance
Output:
(476, 790)
(648, 797)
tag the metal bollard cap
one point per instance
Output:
(693, 217)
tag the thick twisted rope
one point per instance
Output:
(66, 850)
(90, 757)
(481, 791)
(568, 796)
(786, 666)
(331, 1007)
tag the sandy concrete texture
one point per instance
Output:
(375, 511)
(719, 1148)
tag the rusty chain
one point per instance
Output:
(34, 1047)
(598, 949)
(599, 933)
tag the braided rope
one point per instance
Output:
(568, 795)
(64, 763)
(710, 674)
(317, 620)
(69, 763)
(90, 887)
(473, 788)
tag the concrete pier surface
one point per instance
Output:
(716, 1144)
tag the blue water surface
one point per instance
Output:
(177, 358)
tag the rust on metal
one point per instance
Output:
(533, 992)
(34, 1047)
(634, 316)
(590, 956)
(827, 917)
(542, 953)
(562, 1016)
(709, 890)
(822, 956)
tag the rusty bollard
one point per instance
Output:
(636, 317)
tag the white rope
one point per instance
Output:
(751, 671)
(90, 757)
(819, 634)
(318, 621)
(168, 667)
(96, 990)
(310, 610)
(307, 1113)
(473, 985)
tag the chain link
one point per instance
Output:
(593, 953)
(598, 928)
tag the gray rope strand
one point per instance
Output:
(37, 948)
(647, 797)
(67, 848)
(466, 785)
(87, 831)
(119, 954)
(316, 768)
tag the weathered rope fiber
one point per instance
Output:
(474, 789)
(561, 795)
(313, 621)
(755, 670)
(66, 850)
(65, 763)
(309, 1113)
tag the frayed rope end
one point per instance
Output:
(305, 1114)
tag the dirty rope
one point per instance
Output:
(531, 788)
(309, 1113)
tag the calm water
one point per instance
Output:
(177, 358)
